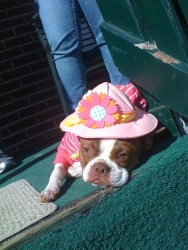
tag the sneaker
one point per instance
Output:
(6, 163)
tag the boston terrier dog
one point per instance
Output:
(104, 138)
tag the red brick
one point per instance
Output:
(5, 66)
(49, 114)
(26, 59)
(46, 83)
(34, 46)
(43, 54)
(16, 73)
(56, 132)
(14, 139)
(26, 2)
(3, 100)
(28, 16)
(39, 65)
(34, 36)
(6, 120)
(4, 132)
(40, 128)
(17, 41)
(54, 102)
(32, 110)
(8, 4)
(6, 87)
(22, 124)
(1, 48)
(30, 142)
(3, 16)
(8, 54)
(59, 119)
(10, 23)
(14, 105)
(24, 91)
(20, 30)
(42, 95)
(34, 77)
(6, 34)
(3, 54)
(11, 150)
(20, 10)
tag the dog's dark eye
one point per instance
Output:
(86, 150)
(122, 156)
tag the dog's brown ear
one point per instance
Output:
(147, 140)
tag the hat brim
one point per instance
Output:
(142, 125)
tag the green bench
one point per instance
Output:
(148, 41)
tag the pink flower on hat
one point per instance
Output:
(97, 110)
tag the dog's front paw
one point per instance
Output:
(49, 194)
(75, 170)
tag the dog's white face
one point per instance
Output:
(107, 162)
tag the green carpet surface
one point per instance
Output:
(36, 164)
(150, 212)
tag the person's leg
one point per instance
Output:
(61, 23)
(95, 19)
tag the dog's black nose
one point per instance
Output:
(100, 168)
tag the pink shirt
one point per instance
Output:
(70, 143)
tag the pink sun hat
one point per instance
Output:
(106, 112)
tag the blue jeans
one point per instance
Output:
(61, 23)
